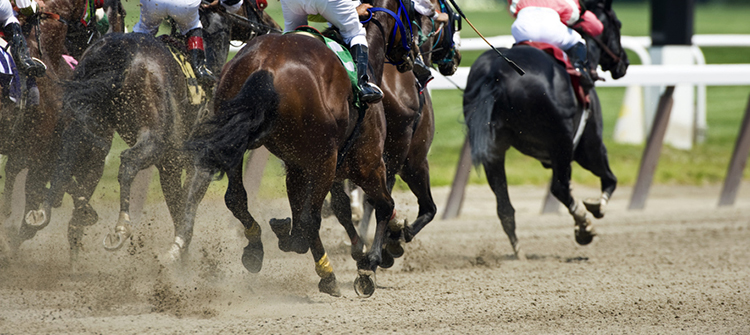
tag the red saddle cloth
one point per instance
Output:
(562, 58)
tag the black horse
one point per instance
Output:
(539, 115)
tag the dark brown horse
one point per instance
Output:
(315, 131)
(154, 121)
(34, 139)
(410, 129)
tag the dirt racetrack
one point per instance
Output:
(682, 265)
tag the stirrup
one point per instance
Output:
(370, 93)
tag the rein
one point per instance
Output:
(608, 13)
(398, 28)
(257, 27)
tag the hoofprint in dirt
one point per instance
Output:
(680, 266)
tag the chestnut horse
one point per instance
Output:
(315, 131)
(34, 139)
(539, 115)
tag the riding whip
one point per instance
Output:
(512, 64)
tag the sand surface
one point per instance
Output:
(681, 265)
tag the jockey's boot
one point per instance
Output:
(198, 59)
(422, 72)
(368, 92)
(20, 52)
(579, 58)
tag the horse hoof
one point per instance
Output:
(584, 235)
(281, 227)
(594, 206)
(86, 215)
(36, 219)
(113, 242)
(395, 249)
(329, 285)
(364, 284)
(386, 260)
(252, 257)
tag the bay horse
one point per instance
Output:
(410, 131)
(34, 138)
(539, 115)
(317, 132)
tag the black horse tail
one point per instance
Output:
(239, 124)
(478, 103)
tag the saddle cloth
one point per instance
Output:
(562, 59)
(10, 81)
(195, 91)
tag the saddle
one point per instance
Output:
(562, 58)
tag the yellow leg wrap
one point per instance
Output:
(323, 267)
(253, 233)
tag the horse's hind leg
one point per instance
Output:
(197, 185)
(170, 175)
(143, 154)
(236, 200)
(496, 177)
(341, 206)
(307, 189)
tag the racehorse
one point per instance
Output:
(317, 132)
(410, 130)
(539, 115)
(156, 117)
(33, 138)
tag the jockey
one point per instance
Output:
(343, 14)
(425, 8)
(550, 21)
(19, 49)
(185, 15)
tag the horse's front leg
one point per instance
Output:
(139, 157)
(341, 206)
(560, 188)
(375, 187)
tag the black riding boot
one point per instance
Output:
(368, 92)
(20, 52)
(198, 59)
(580, 60)
(422, 72)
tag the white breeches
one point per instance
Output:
(340, 13)
(541, 24)
(183, 12)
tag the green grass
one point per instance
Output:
(705, 164)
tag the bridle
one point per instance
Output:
(404, 48)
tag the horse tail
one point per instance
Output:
(478, 105)
(240, 123)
